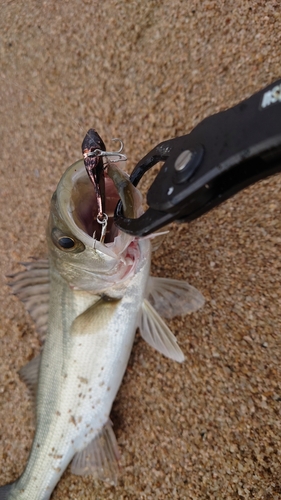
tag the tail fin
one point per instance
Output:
(5, 491)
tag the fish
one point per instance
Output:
(87, 300)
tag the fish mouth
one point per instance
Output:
(77, 204)
(84, 202)
(74, 212)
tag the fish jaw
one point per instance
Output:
(82, 367)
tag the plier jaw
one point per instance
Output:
(222, 155)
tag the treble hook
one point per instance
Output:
(102, 219)
(121, 144)
(99, 152)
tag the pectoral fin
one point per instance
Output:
(100, 458)
(173, 297)
(157, 334)
(100, 312)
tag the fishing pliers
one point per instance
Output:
(222, 155)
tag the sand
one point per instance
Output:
(147, 71)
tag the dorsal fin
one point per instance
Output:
(32, 287)
(29, 374)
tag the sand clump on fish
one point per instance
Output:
(87, 300)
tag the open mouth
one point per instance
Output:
(85, 208)
(75, 213)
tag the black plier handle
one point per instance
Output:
(223, 154)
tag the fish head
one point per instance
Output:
(75, 253)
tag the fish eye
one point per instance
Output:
(65, 242)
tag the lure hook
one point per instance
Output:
(99, 152)
(121, 144)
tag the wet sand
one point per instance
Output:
(145, 72)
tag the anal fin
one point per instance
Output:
(100, 458)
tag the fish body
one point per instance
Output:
(96, 295)
(82, 366)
